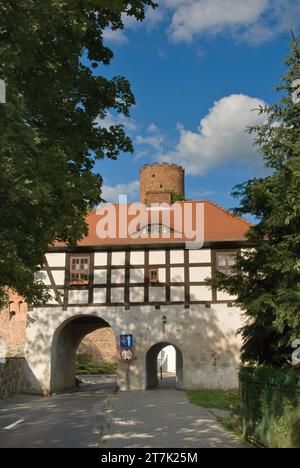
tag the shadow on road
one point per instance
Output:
(168, 382)
(71, 419)
(93, 383)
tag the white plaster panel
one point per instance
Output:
(100, 277)
(59, 277)
(200, 293)
(200, 274)
(56, 260)
(77, 296)
(117, 295)
(200, 256)
(177, 256)
(137, 258)
(157, 294)
(157, 257)
(100, 295)
(177, 293)
(101, 259)
(137, 275)
(118, 258)
(162, 275)
(118, 276)
(177, 275)
(137, 294)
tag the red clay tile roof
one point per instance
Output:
(219, 225)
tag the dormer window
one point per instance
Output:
(80, 270)
(155, 229)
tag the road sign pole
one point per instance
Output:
(128, 377)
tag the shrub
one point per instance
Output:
(95, 369)
(271, 406)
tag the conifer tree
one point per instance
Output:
(268, 283)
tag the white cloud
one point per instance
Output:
(153, 128)
(153, 137)
(221, 136)
(163, 55)
(154, 16)
(119, 119)
(251, 20)
(256, 34)
(110, 193)
(152, 19)
(138, 155)
(116, 37)
(193, 17)
(153, 141)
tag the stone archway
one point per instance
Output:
(66, 340)
(151, 365)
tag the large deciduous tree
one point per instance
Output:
(268, 286)
(49, 135)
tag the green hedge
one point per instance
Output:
(85, 368)
(271, 406)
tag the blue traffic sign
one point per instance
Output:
(126, 341)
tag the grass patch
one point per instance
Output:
(87, 368)
(221, 400)
(216, 399)
(229, 426)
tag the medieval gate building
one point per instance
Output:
(150, 284)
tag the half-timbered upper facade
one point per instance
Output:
(147, 271)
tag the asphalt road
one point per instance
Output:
(70, 420)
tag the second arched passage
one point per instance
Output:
(65, 343)
(151, 365)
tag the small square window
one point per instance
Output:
(227, 263)
(154, 275)
(80, 270)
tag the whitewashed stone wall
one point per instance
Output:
(206, 337)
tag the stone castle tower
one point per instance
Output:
(158, 182)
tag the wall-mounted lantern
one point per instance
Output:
(164, 322)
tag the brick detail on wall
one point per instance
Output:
(13, 325)
(101, 345)
(159, 181)
(158, 197)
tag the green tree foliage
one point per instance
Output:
(268, 284)
(49, 136)
(177, 197)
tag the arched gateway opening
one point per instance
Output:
(66, 341)
(153, 364)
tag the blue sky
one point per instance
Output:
(198, 68)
